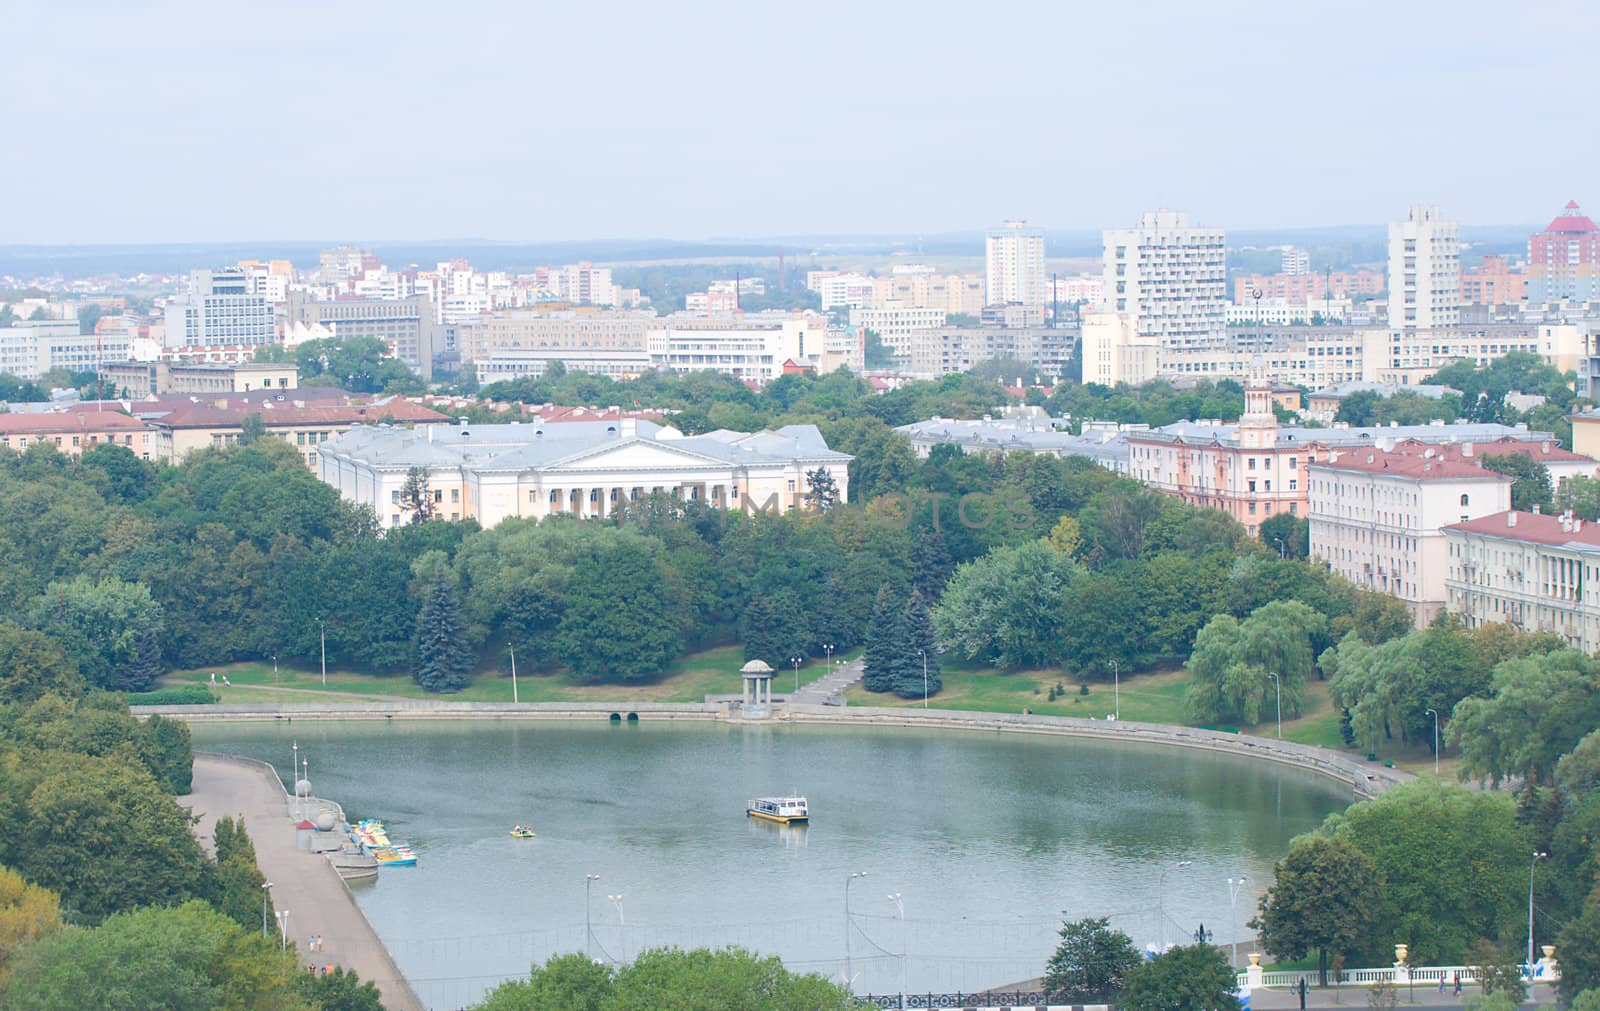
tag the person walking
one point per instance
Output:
(1458, 984)
(1302, 991)
(1442, 982)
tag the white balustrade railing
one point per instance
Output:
(1543, 972)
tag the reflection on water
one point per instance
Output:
(988, 838)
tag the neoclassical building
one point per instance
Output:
(579, 468)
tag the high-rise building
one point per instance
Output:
(1564, 259)
(1171, 277)
(1424, 271)
(1015, 256)
(220, 308)
(1296, 261)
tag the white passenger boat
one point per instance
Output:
(783, 810)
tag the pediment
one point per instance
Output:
(635, 454)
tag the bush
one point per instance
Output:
(184, 695)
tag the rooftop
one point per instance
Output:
(1382, 389)
(1383, 436)
(281, 409)
(1534, 528)
(1571, 221)
(67, 421)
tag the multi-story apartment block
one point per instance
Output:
(1424, 271)
(406, 325)
(944, 350)
(1493, 282)
(33, 347)
(1115, 353)
(1306, 289)
(1296, 261)
(1014, 257)
(836, 290)
(753, 347)
(219, 309)
(521, 342)
(895, 324)
(1171, 277)
(582, 468)
(1536, 572)
(1378, 517)
(919, 287)
(1564, 259)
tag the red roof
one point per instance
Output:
(47, 422)
(1376, 461)
(230, 410)
(1535, 528)
(1571, 221)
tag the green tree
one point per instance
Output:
(1540, 709)
(416, 498)
(1530, 479)
(1324, 898)
(620, 622)
(1232, 661)
(931, 563)
(822, 493)
(725, 978)
(1578, 950)
(443, 656)
(773, 628)
(918, 675)
(188, 958)
(564, 983)
(1090, 964)
(238, 880)
(27, 913)
(33, 664)
(1194, 977)
(1288, 534)
(339, 990)
(100, 624)
(1581, 496)
(1005, 608)
(877, 354)
(888, 643)
(252, 429)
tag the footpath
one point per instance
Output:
(816, 693)
(303, 883)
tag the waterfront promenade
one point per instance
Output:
(304, 883)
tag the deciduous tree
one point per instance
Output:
(1324, 898)
(1195, 976)
(1090, 964)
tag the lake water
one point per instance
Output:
(990, 840)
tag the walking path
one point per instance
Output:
(834, 682)
(303, 883)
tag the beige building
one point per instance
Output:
(923, 289)
(405, 324)
(896, 322)
(1378, 517)
(521, 342)
(585, 469)
(76, 429)
(1115, 353)
(138, 380)
(1538, 573)
(946, 350)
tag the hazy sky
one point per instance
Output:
(170, 121)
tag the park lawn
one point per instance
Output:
(1145, 698)
(689, 679)
(1318, 722)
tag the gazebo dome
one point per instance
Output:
(756, 667)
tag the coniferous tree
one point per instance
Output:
(886, 643)
(822, 492)
(931, 563)
(773, 628)
(917, 630)
(443, 658)
(141, 673)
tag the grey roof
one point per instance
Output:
(1228, 434)
(520, 447)
(1005, 435)
(1384, 389)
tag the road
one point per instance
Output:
(303, 883)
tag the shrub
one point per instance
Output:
(183, 695)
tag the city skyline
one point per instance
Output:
(197, 124)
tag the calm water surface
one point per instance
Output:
(989, 840)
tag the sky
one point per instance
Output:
(528, 120)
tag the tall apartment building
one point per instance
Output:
(1014, 254)
(1424, 271)
(1113, 353)
(1171, 277)
(1564, 259)
(220, 308)
(941, 351)
(1493, 282)
(920, 288)
(1296, 261)
(406, 325)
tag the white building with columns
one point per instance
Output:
(583, 469)
(1539, 573)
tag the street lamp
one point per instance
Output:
(588, 928)
(322, 634)
(900, 908)
(1537, 856)
(796, 661)
(513, 673)
(924, 654)
(274, 670)
(282, 917)
(1235, 886)
(1161, 898)
(622, 927)
(294, 787)
(827, 648)
(1116, 689)
(266, 889)
(1435, 714)
(1279, 542)
(1276, 683)
(848, 979)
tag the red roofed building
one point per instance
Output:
(75, 429)
(303, 418)
(1538, 573)
(1564, 259)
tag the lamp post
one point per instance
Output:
(900, 909)
(849, 980)
(294, 786)
(513, 674)
(1116, 690)
(924, 654)
(274, 670)
(322, 635)
(1279, 542)
(1435, 714)
(796, 661)
(1161, 898)
(1235, 886)
(266, 890)
(1537, 856)
(282, 917)
(622, 928)
(827, 648)
(588, 928)
(1276, 683)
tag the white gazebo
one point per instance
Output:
(755, 695)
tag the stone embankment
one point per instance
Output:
(1366, 779)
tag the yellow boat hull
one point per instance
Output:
(779, 819)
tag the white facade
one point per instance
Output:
(581, 469)
(1171, 277)
(1424, 271)
(1538, 573)
(220, 310)
(1114, 353)
(25, 348)
(852, 291)
(1378, 518)
(895, 323)
(753, 348)
(1014, 255)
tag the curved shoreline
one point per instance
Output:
(1365, 779)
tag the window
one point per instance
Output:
(791, 484)
(1252, 463)
(394, 497)
(1252, 486)
(1464, 502)
(1292, 465)
(455, 494)
(1252, 509)
(1293, 483)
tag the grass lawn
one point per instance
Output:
(1145, 698)
(691, 679)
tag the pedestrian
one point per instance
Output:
(311, 942)
(319, 942)
(213, 677)
(1458, 984)
(1442, 982)
(226, 681)
(1302, 990)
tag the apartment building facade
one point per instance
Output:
(895, 324)
(1172, 278)
(1424, 271)
(76, 429)
(945, 350)
(406, 325)
(1014, 265)
(220, 309)
(1564, 259)
(1536, 572)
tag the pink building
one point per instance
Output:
(1564, 259)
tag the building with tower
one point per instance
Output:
(1424, 271)
(1564, 259)
(1015, 257)
(1171, 278)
